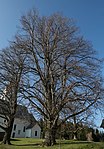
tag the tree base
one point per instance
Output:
(48, 143)
(6, 143)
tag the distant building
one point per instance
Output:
(24, 125)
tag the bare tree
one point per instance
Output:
(63, 69)
(12, 69)
(85, 118)
(81, 121)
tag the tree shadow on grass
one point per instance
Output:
(15, 140)
(40, 144)
(35, 144)
(76, 142)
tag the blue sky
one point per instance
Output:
(88, 14)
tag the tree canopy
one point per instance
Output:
(63, 77)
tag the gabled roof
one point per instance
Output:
(21, 112)
(30, 126)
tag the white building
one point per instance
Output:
(33, 131)
(24, 125)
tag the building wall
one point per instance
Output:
(33, 132)
(34, 129)
(18, 128)
(28, 133)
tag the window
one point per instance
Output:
(13, 135)
(19, 132)
(14, 126)
(35, 133)
(24, 129)
(4, 121)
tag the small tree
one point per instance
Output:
(12, 69)
(85, 118)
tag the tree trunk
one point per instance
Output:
(75, 128)
(7, 135)
(75, 136)
(50, 135)
(54, 130)
(48, 138)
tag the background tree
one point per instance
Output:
(102, 124)
(81, 120)
(12, 70)
(63, 69)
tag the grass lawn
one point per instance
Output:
(27, 143)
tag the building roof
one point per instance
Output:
(30, 126)
(21, 112)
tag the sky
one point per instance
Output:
(88, 15)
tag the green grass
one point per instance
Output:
(27, 143)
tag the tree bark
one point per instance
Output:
(7, 135)
(75, 136)
(75, 128)
(54, 130)
(50, 135)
